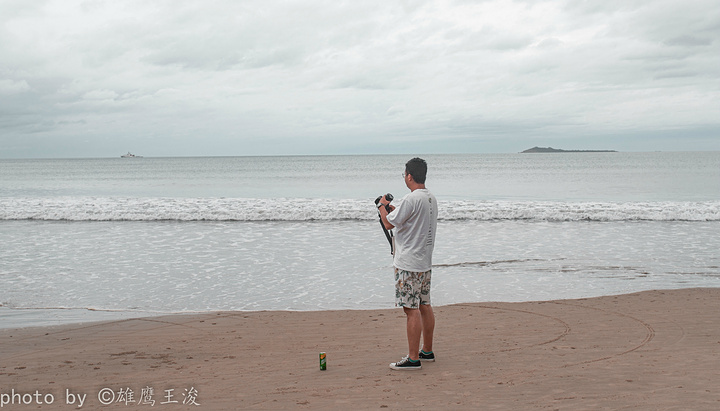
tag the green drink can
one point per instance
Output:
(323, 361)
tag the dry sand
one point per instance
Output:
(656, 350)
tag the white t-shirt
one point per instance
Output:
(415, 221)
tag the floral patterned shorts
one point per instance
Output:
(412, 289)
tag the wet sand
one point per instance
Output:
(649, 350)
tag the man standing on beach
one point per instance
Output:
(414, 219)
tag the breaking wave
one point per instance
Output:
(293, 209)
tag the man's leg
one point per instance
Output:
(428, 326)
(414, 329)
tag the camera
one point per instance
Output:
(388, 197)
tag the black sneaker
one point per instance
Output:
(426, 356)
(406, 364)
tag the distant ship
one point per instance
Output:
(130, 155)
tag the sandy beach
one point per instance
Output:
(655, 350)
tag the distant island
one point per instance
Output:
(557, 150)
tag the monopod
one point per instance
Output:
(388, 233)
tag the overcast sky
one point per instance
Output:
(99, 78)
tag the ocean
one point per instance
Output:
(96, 239)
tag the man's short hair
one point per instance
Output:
(417, 168)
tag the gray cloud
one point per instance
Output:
(265, 77)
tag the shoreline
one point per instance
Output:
(32, 317)
(52, 317)
(645, 350)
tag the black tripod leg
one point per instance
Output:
(387, 235)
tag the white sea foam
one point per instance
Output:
(292, 209)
